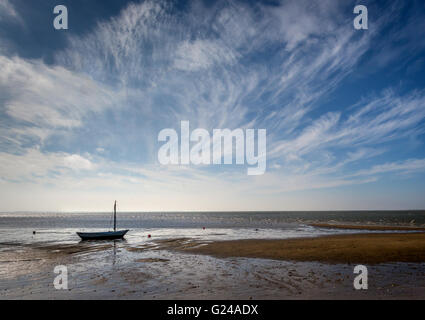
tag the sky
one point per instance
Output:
(81, 109)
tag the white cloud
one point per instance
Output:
(296, 21)
(49, 96)
(43, 100)
(375, 121)
(7, 10)
(36, 166)
(406, 166)
(202, 54)
(77, 162)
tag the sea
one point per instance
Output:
(59, 227)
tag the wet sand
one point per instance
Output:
(187, 268)
(347, 248)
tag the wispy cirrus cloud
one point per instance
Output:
(219, 79)
(404, 167)
(42, 100)
(370, 122)
(7, 10)
(98, 108)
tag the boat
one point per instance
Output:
(108, 235)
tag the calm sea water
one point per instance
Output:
(61, 227)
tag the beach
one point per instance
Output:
(353, 248)
(291, 261)
(239, 269)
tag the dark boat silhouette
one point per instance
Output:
(108, 235)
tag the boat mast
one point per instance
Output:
(115, 215)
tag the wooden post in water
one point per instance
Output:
(115, 215)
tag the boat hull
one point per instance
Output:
(110, 235)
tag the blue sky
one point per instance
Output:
(81, 109)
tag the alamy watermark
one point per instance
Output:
(360, 21)
(360, 281)
(61, 280)
(61, 20)
(200, 148)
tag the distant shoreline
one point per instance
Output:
(212, 211)
(368, 227)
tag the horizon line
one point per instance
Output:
(213, 211)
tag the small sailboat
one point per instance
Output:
(108, 235)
